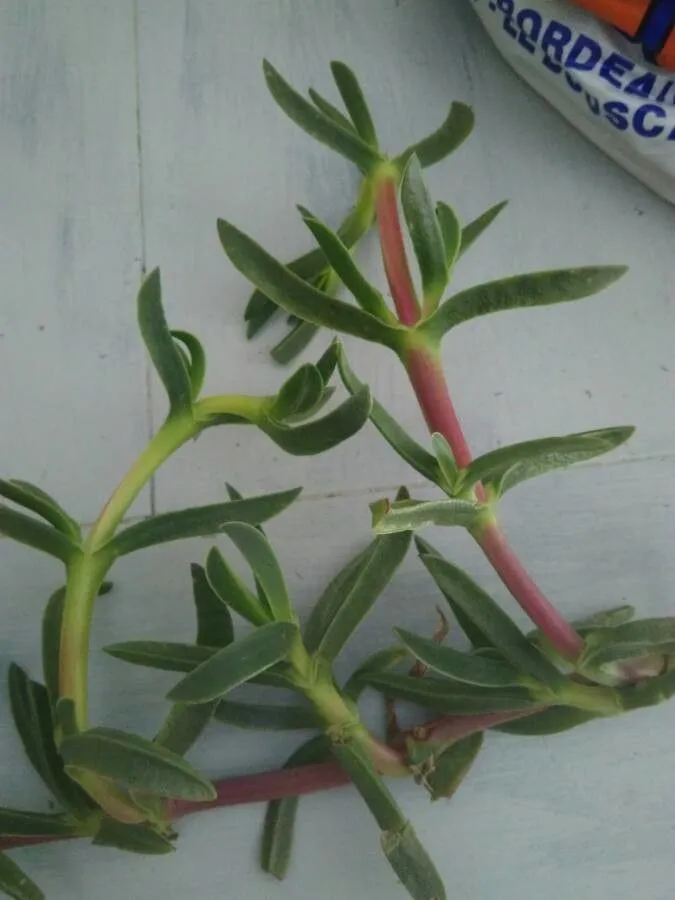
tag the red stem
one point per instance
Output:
(454, 728)
(393, 251)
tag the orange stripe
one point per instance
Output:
(625, 15)
(666, 57)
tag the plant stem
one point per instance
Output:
(393, 248)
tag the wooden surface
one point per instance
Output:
(126, 128)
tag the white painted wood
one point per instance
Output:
(587, 814)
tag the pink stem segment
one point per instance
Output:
(393, 252)
(448, 729)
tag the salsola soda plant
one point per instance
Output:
(125, 790)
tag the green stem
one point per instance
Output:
(597, 699)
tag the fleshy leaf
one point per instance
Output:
(339, 257)
(472, 231)
(164, 655)
(452, 233)
(236, 664)
(456, 128)
(519, 292)
(17, 822)
(451, 766)
(351, 595)
(15, 883)
(135, 763)
(445, 696)
(196, 359)
(297, 296)
(554, 720)
(378, 662)
(183, 726)
(412, 865)
(133, 838)
(199, 521)
(409, 515)
(214, 622)
(645, 637)
(298, 394)
(38, 501)
(318, 125)
(164, 353)
(33, 533)
(257, 552)
(277, 837)
(407, 448)
(232, 590)
(353, 99)
(292, 345)
(267, 716)
(327, 108)
(446, 462)
(463, 667)
(491, 620)
(504, 468)
(425, 233)
(325, 433)
(31, 711)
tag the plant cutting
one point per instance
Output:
(127, 791)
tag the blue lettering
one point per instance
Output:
(642, 86)
(613, 66)
(616, 113)
(641, 114)
(556, 37)
(663, 93)
(593, 104)
(671, 136)
(529, 35)
(506, 7)
(584, 44)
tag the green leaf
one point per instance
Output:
(164, 655)
(325, 433)
(317, 124)
(448, 697)
(327, 362)
(297, 339)
(163, 351)
(519, 292)
(446, 461)
(472, 231)
(301, 392)
(232, 590)
(352, 97)
(51, 643)
(183, 726)
(236, 664)
(16, 822)
(199, 521)
(470, 669)
(408, 449)
(15, 883)
(451, 766)
(425, 233)
(378, 662)
(352, 594)
(29, 531)
(412, 865)
(554, 720)
(266, 716)
(477, 637)
(456, 128)
(452, 233)
(503, 469)
(607, 618)
(214, 622)
(340, 258)
(136, 764)
(409, 515)
(257, 552)
(277, 838)
(645, 637)
(141, 839)
(296, 296)
(36, 500)
(491, 620)
(31, 711)
(196, 357)
(332, 112)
